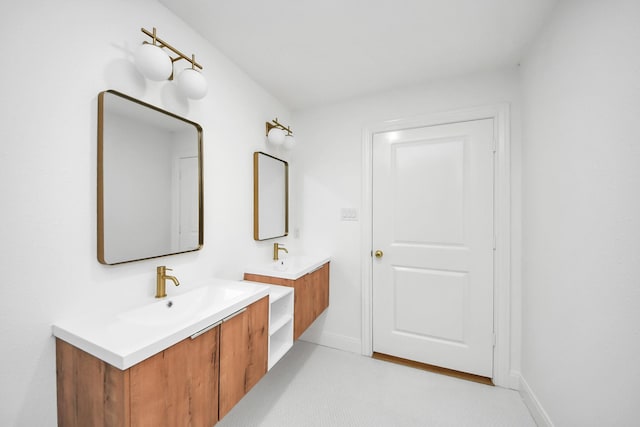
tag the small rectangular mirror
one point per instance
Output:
(149, 181)
(270, 197)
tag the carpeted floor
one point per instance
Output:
(315, 386)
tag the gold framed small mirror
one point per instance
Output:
(270, 197)
(150, 196)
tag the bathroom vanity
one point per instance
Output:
(307, 275)
(186, 359)
(183, 360)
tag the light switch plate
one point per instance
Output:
(349, 214)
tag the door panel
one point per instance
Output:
(433, 219)
(440, 317)
(437, 166)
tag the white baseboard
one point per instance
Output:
(533, 404)
(327, 339)
(514, 380)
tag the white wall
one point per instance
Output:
(328, 177)
(581, 216)
(57, 57)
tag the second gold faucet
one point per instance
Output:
(276, 249)
(161, 281)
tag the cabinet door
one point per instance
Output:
(244, 348)
(320, 284)
(303, 305)
(179, 386)
(90, 392)
(311, 298)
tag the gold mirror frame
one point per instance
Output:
(163, 122)
(270, 197)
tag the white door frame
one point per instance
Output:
(502, 226)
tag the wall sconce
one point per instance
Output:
(155, 64)
(278, 134)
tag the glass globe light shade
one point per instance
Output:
(289, 142)
(276, 136)
(192, 84)
(153, 62)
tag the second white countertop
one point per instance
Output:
(288, 267)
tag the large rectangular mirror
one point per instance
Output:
(149, 181)
(270, 197)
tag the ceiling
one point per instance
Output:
(310, 53)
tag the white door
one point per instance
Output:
(433, 223)
(188, 221)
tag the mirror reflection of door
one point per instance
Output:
(187, 209)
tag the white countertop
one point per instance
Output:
(288, 267)
(124, 339)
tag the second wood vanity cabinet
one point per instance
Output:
(192, 383)
(311, 295)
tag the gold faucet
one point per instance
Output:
(276, 249)
(161, 277)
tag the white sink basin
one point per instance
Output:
(126, 338)
(288, 267)
(180, 308)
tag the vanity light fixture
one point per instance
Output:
(155, 64)
(278, 134)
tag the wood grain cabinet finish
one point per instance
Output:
(178, 386)
(311, 295)
(244, 352)
(193, 383)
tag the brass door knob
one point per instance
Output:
(378, 253)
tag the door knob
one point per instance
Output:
(378, 253)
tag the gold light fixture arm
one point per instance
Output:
(275, 124)
(162, 43)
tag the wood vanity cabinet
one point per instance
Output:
(192, 383)
(178, 386)
(311, 295)
(244, 351)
